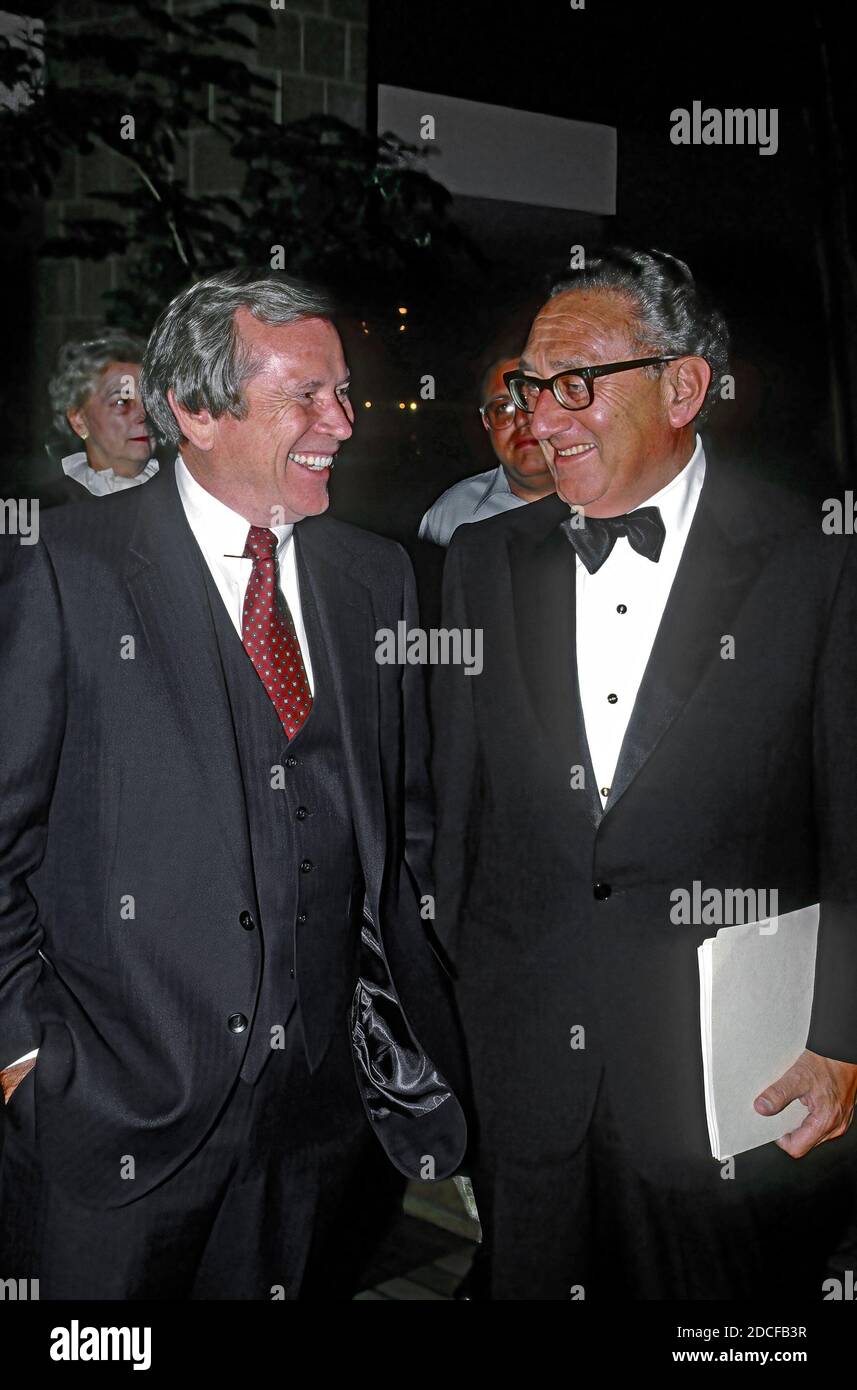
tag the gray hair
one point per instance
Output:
(80, 364)
(673, 314)
(195, 347)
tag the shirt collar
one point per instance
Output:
(677, 500)
(495, 481)
(215, 525)
(100, 481)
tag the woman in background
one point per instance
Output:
(95, 397)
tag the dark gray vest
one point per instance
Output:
(301, 835)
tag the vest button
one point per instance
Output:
(246, 921)
(236, 1023)
(291, 760)
(301, 917)
(306, 866)
(301, 813)
(601, 891)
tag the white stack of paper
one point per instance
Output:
(755, 999)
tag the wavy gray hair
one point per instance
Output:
(196, 349)
(672, 312)
(80, 364)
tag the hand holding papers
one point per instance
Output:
(755, 1000)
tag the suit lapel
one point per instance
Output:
(167, 586)
(343, 620)
(725, 550)
(542, 565)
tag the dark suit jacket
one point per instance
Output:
(121, 776)
(63, 491)
(736, 773)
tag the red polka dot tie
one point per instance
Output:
(269, 636)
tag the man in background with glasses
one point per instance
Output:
(522, 474)
(668, 699)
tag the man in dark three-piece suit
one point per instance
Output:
(217, 990)
(668, 696)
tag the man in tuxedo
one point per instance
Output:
(667, 697)
(217, 992)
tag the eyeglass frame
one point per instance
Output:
(498, 400)
(587, 374)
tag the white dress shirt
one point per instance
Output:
(485, 494)
(221, 535)
(619, 610)
(102, 481)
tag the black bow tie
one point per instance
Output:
(593, 537)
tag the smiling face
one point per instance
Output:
(638, 433)
(114, 421)
(522, 459)
(273, 466)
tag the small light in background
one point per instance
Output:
(401, 405)
(402, 309)
(402, 327)
(368, 405)
(413, 405)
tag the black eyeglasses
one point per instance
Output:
(498, 414)
(572, 389)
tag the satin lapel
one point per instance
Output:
(725, 550)
(166, 581)
(346, 625)
(543, 587)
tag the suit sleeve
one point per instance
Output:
(833, 1029)
(456, 764)
(32, 719)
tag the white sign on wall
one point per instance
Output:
(486, 151)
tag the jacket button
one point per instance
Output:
(306, 866)
(246, 921)
(301, 917)
(301, 813)
(291, 974)
(291, 760)
(236, 1023)
(601, 891)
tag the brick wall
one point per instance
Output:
(317, 56)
